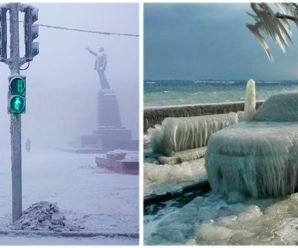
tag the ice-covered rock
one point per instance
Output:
(182, 133)
(250, 100)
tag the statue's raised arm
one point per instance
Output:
(91, 51)
(100, 66)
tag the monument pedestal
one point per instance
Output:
(109, 134)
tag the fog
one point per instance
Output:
(61, 81)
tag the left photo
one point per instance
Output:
(69, 113)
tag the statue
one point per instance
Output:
(100, 66)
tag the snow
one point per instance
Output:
(132, 156)
(128, 156)
(97, 200)
(36, 240)
(182, 133)
(43, 216)
(117, 151)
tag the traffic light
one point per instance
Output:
(17, 94)
(31, 32)
(3, 34)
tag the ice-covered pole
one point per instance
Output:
(250, 100)
(15, 119)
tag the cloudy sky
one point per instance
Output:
(201, 41)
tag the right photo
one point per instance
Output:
(220, 124)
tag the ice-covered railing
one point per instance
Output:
(258, 158)
(182, 133)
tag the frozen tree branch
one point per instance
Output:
(276, 25)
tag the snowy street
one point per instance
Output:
(97, 200)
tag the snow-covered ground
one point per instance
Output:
(37, 240)
(98, 200)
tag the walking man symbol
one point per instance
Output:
(17, 104)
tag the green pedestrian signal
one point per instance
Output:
(17, 104)
(17, 94)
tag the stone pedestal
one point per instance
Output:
(109, 133)
(108, 110)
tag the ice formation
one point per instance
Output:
(258, 158)
(210, 220)
(182, 133)
(159, 179)
(250, 100)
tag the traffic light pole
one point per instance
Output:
(15, 119)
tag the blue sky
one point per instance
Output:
(204, 41)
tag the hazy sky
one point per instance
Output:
(63, 61)
(64, 49)
(201, 41)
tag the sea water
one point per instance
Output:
(178, 92)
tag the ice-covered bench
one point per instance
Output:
(182, 133)
(258, 158)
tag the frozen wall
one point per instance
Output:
(178, 134)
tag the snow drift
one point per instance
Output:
(44, 216)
